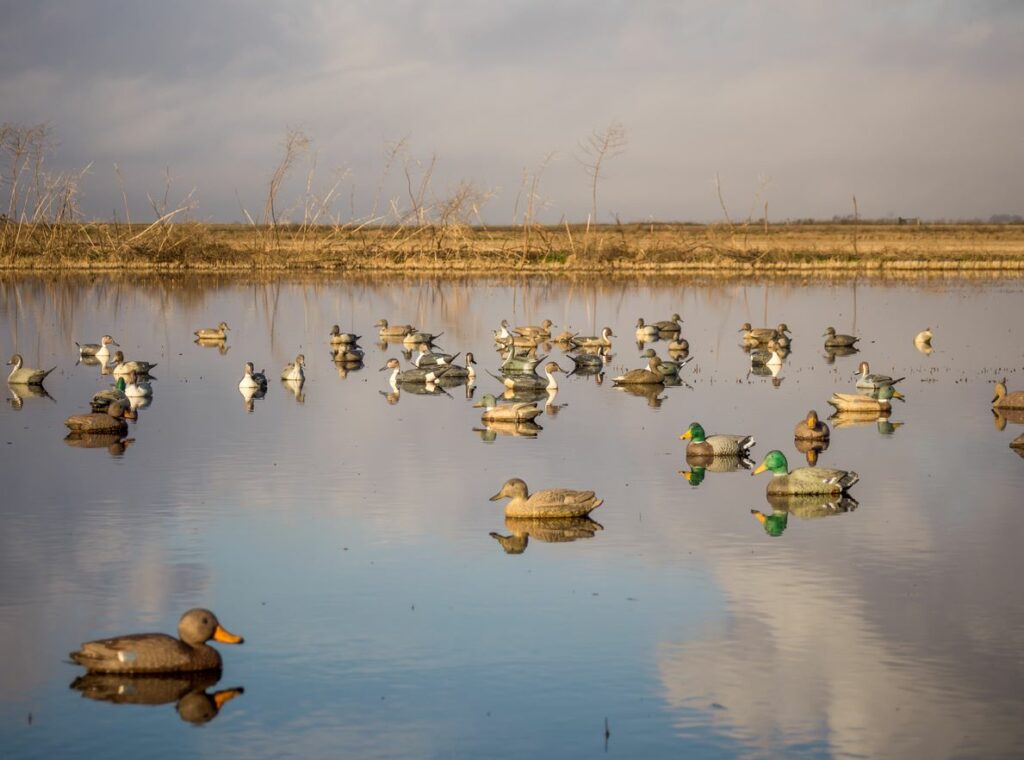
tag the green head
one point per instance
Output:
(887, 392)
(487, 401)
(121, 384)
(775, 461)
(773, 524)
(695, 476)
(693, 433)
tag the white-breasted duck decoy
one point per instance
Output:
(459, 372)
(99, 350)
(415, 376)
(136, 387)
(252, 380)
(551, 502)
(670, 325)
(122, 367)
(834, 340)
(503, 332)
(532, 382)
(543, 330)
(646, 376)
(220, 332)
(392, 331)
(1004, 400)
(338, 337)
(295, 370)
(645, 331)
(525, 411)
(666, 367)
(923, 341)
(21, 375)
(423, 357)
(866, 380)
(595, 341)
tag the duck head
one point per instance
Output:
(199, 625)
(487, 402)
(514, 488)
(391, 364)
(829, 333)
(812, 420)
(775, 461)
(693, 433)
(16, 360)
(1000, 386)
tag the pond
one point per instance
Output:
(389, 609)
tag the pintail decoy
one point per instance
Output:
(1004, 400)
(424, 357)
(595, 341)
(220, 332)
(456, 372)
(803, 480)
(418, 336)
(522, 362)
(295, 371)
(26, 375)
(832, 340)
(252, 380)
(136, 388)
(339, 338)
(99, 350)
(855, 402)
(717, 445)
(646, 376)
(415, 376)
(503, 333)
(543, 330)
(645, 331)
(122, 367)
(552, 502)
(811, 428)
(666, 367)
(530, 382)
(494, 412)
(158, 652)
(869, 381)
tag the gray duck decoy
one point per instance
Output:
(832, 340)
(666, 367)
(543, 330)
(646, 376)
(869, 381)
(529, 382)
(26, 375)
(342, 338)
(415, 376)
(423, 357)
(595, 341)
(122, 367)
(393, 331)
(99, 350)
(670, 325)
(494, 412)
(296, 370)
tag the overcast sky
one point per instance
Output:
(916, 107)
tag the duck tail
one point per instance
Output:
(849, 480)
(51, 369)
(747, 443)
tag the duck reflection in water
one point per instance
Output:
(807, 507)
(559, 530)
(295, 386)
(21, 392)
(701, 464)
(219, 343)
(879, 419)
(115, 443)
(651, 392)
(189, 692)
(492, 429)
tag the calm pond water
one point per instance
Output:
(346, 533)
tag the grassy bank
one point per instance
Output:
(707, 249)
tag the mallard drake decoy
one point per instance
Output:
(595, 341)
(347, 353)
(543, 330)
(803, 480)
(666, 367)
(110, 421)
(720, 444)
(670, 325)
(337, 337)
(137, 388)
(855, 402)
(528, 382)
(645, 331)
(832, 340)
(26, 375)
(187, 690)
(122, 367)
(423, 357)
(295, 370)
(552, 502)
(252, 380)
(495, 412)
(220, 332)
(158, 652)
(869, 381)
(393, 331)
(1004, 400)
(811, 428)
(413, 376)
(646, 376)
(99, 350)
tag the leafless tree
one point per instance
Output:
(599, 147)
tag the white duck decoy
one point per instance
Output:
(121, 367)
(26, 375)
(503, 332)
(295, 370)
(136, 388)
(100, 350)
(256, 381)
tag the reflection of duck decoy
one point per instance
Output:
(532, 382)
(811, 428)
(20, 392)
(645, 331)
(855, 402)
(347, 353)
(122, 367)
(832, 340)
(295, 370)
(249, 395)
(100, 350)
(855, 418)
(552, 530)
(158, 652)
(811, 506)
(646, 376)
(810, 449)
(296, 388)
(393, 331)
(700, 464)
(492, 429)
(1018, 443)
(220, 332)
(832, 352)
(720, 444)
(110, 421)
(803, 480)
(1003, 400)
(114, 443)
(21, 375)
(774, 524)
(543, 330)
(494, 412)
(186, 690)
(678, 346)
(923, 341)
(339, 338)
(136, 387)
(252, 380)
(651, 392)
(551, 502)
(869, 381)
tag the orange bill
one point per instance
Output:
(227, 637)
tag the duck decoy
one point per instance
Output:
(1004, 400)
(519, 341)
(338, 337)
(803, 480)
(588, 362)
(763, 334)
(418, 336)
(1018, 442)
(832, 340)
(670, 325)
(347, 353)
(187, 690)
(137, 388)
(531, 382)
(220, 332)
(719, 444)
(923, 341)
(855, 402)
(666, 367)
(543, 330)
(644, 331)
(99, 350)
(122, 367)
(646, 376)
(413, 376)
(158, 652)
(503, 332)
(102, 399)
(552, 502)
(514, 363)
(296, 370)
(811, 428)
(678, 345)
(110, 421)
(252, 380)
(565, 338)
(460, 373)
(26, 375)
(869, 381)
(595, 341)
(423, 357)
(393, 331)
(495, 412)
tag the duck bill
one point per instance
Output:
(383, 368)
(686, 436)
(688, 475)
(760, 516)
(226, 695)
(900, 396)
(497, 496)
(759, 469)
(225, 636)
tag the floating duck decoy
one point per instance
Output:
(645, 331)
(543, 330)
(423, 357)
(519, 363)
(220, 332)
(495, 412)
(122, 367)
(552, 530)
(413, 376)
(565, 337)
(1018, 442)
(503, 332)
(531, 382)
(595, 341)
(338, 337)
(832, 340)
(418, 336)
(26, 375)
(552, 502)
(855, 402)
(670, 325)
(647, 376)
(763, 334)
(1004, 400)
(99, 350)
(110, 421)
(803, 480)
(869, 381)
(296, 370)
(666, 367)
(460, 373)
(393, 331)
(811, 429)
(588, 362)
(187, 690)
(720, 444)
(102, 399)
(519, 341)
(137, 388)
(252, 380)
(158, 652)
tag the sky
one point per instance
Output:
(914, 107)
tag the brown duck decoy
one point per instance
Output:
(1004, 400)
(552, 502)
(811, 428)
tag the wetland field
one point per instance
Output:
(344, 527)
